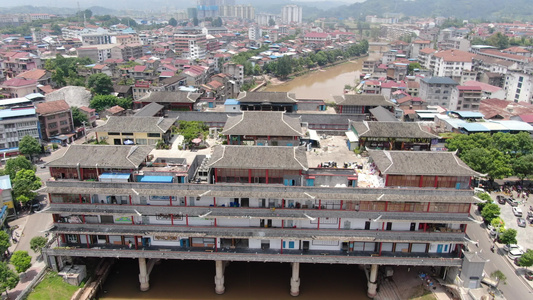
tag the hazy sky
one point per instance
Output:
(122, 3)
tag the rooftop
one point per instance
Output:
(263, 124)
(136, 124)
(264, 157)
(102, 156)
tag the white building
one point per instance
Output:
(255, 32)
(518, 87)
(451, 63)
(291, 14)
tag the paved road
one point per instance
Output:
(516, 287)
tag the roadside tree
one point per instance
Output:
(37, 243)
(78, 117)
(13, 165)
(508, 236)
(29, 146)
(100, 84)
(8, 278)
(4, 241)
(499, 275)
(490, 212)
(24, 184)
(526, 260)
(102, 102)
(21, 260)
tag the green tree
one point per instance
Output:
(488, 161)
(29, 146)
(485, 197)
(284, 66)
(191, 130)
(526, 260)
(498, 224)
(8, 278)
(125, 103)
(195, 21)
(4, 241)
(499, 275)
(498, 40)
(102, 102)
(25, 183)
(490, 211)
(78, 117)
(271, 22)
(21, 260)
(13, 165)
(508, 236)
(412, 67)
(100, 84)
(173, 22)
(37, 243)
(523, 166)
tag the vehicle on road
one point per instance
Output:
(529, 275)
(521, 222)
(35, 206)
(501, 199)
(517, 211)
(516, 253)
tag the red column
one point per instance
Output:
(436, 181)
(387, 180)
(282, 203)
(49, 198)
(386, 205)
(132, 221)
(187, 220)
(340, 109)
(282, 223)
(318, 225)
(214, 201)
(80, 197)
(319, 203)
(429, 203)
(172, 219)
(425, 227)
(470, 182)
(339, 223)
(186, 199)
(215, 175)
(266, 174)
(87, 238)
(216, 239)
(170, 200)
(215, 222)
(380, 244)
(341, 204)
(136, 242)
(281, 246)
(130, 199)
(421, 179)
(250, 176)
(83, 219)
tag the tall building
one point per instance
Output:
(191, 45)
(263, 199)
(291, 14)
(237, 11)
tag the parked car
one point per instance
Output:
(521, 222)
(529, 275)
(512, 202)
(35, 206)
(511, 247)
(516, 253)
(517, 211)
(501, 199)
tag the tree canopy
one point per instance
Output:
(21, 260)
(191, 130)
(526, 260)
(102, 102)
(78, 117)
(100, 84)
(508, 236)
(8, 278)
(13, 165)
(37, 243)
(29, 146)
(490, 212)
(499, 155)
(24, 184)
(172, 22)
(4, 241)
(65, 70)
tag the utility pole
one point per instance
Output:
(84, 131)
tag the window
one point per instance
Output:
(127, 133)
(113, 133)
(50, 117)
(154, 135)
(63, 122)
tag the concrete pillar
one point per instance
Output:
(143, 275)
(219, 277)
(295, 279)
(372, 284)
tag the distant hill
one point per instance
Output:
(461, 9)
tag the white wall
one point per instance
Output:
(195, 221)
(235, 222)
(254, 244)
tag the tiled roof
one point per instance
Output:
(265, 157)
(115, 109)
(267, 97)
(362, 100)
(391, 129)
(263, 124)
(455, 56)
(50, 107)
(102, 156)
(34, 74)
(136, 124)
(18, 82)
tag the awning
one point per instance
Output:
(196, 141)
(313, 135)
(351, 136)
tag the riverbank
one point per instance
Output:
(274, 81)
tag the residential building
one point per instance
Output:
(15, 62)
(90, 113)
(191, 45)
(465, 98)
(518, 87)
(18, 87)
(55, 118)
(15, 123)
(237, 11)
(487, 91)
(234, 70)
(100, 53)
(267, 101)
(437, 91)
(451, 63)
(291, 14)
(122, 130)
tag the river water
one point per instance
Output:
(326, 83)
(188, 280)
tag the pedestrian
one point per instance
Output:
(130, 244)
(477, 243)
